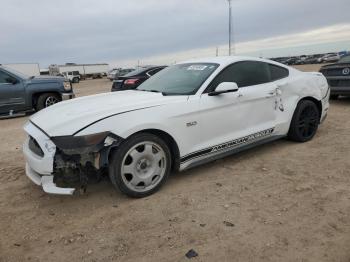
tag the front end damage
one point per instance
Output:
(67, 164)
(77, 167)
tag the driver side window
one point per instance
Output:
(5, 78)
(246, 73)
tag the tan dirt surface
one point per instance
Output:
(283, 201)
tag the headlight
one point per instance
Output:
(75, 142)
(67, 86)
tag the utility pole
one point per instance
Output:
(217, 51)
(230, 38)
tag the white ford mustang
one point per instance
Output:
(189, 113)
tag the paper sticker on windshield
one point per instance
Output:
(197, 67)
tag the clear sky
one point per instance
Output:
(153, 31)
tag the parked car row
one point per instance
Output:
(310, 59)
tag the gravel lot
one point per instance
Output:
(279, 202)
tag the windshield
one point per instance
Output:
(182, 79)
(16, 73)
(345, 59)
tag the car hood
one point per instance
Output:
(336, 65)
(66, 118)
(46, 79)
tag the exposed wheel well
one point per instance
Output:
(35, 96)
(170, 141)
(317, 102)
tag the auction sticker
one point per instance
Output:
(197, 67)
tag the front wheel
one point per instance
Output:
(305, 122)
(46, 100)
(141, 165)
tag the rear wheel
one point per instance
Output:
(46, 100)
(305, 121)
(76, 80)
(141, 165)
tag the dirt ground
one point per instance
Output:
(280, 202)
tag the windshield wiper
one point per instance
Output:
(163, 93)
(154, 91)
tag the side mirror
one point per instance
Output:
(11, 80)
(224, 87)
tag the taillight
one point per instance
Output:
(131, 81)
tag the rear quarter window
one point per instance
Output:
(278, 72)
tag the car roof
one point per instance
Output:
(153, 67)
(142, 70)
(227, 60)
(148, 68)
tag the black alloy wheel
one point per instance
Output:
(305, 121)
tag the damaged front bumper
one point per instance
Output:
(39, 165)
(62, 170)
(47, 183)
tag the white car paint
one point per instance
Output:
(198, 123)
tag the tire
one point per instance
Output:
(334, 97)
(305, 122)
(141, 165)
(46, 100)
(75, 80)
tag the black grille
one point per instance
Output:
(34, 147)
(333, 72)
(339, 83)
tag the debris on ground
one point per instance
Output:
(190, 254)
(228, 224)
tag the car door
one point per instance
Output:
(257, 96)
(247, 114)
(12, 96)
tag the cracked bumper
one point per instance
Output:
(39, 169)
(47, 183)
